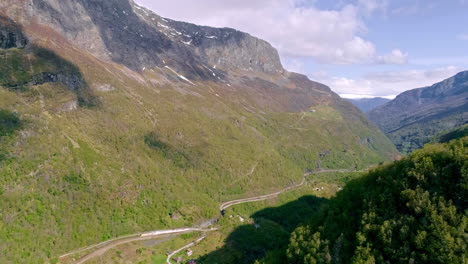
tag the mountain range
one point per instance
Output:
(368, 104)
(120, 121)
(415, 116)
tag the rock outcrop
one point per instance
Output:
(11, 35)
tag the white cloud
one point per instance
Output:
(387, 84)
(415, 7)
(294, 64)
(462, 36)
(371, 6)
(395, 57)
(295, 27)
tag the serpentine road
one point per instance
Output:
(168, 260)
(103, 247)
(226, 205)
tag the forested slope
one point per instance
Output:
(411, 211)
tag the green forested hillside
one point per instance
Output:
(103, 151)
(448, 136)
(412, 211)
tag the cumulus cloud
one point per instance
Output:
(395, 57)
(387, 84)
(297, 28)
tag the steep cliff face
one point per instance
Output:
(223, 47)
(136, 37)
(415, 116)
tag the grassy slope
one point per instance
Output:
(79, 177)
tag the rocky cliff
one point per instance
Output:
(126, 33)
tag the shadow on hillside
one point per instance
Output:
(24, 64)
(270, 232)
(143, 46)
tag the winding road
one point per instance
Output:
(168, 260)
(226, 205)
(103, 247)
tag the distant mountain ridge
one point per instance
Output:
(413, 117)
(368, 104)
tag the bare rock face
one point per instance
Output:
(105, 87)
(224, 47)
(122, 31)
(10, 35)
(72, 20)
(69, 106)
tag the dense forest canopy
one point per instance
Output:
(412, 211)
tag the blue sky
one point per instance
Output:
(360, 48)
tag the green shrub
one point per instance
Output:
(179, 158)
(9, 123)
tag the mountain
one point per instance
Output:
(412, 211)
(115, 121)
(368, 104)
(415, 116)
(450, 135)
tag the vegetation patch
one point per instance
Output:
(179, 158)
(76, 181)
(448, 136)
(9, 123)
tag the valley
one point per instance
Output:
(90, 252)
(128, 137)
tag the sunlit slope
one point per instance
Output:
(103, 150)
